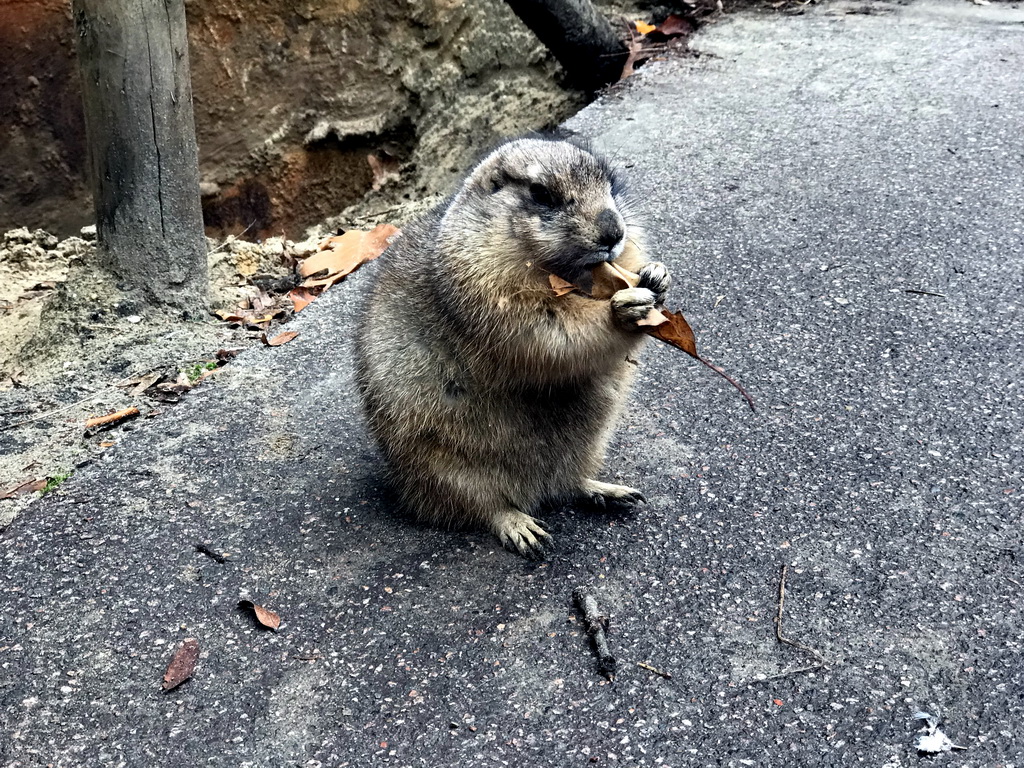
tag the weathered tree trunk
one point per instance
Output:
(142, 144)
(584, 42)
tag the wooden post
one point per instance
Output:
(137, 92)
(582, 40)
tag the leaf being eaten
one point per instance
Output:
(609, 278)
(664, 325)
(673, 329)
(677, 332)
(560, 286)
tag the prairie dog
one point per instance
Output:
(487, 394)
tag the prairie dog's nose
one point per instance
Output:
(609, 228)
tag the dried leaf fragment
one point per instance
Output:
(302, 297)
(182, 665)
(675, 25)
(643, 27)
(675, 331)
(664, 325)
(264, 616)
(343, 254)
(610, 278)
(29, 486)
(145, 383)
(112, 418)
(282, 338)
(384, 166)
(560, 286)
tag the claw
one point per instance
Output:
(656, 278)
(605, 496)
(520, 533)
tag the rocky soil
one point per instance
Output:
(74, 345)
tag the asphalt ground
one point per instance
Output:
(839, 195)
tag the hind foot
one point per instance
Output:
(520, 533)
(605, 496)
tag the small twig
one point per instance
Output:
(596, 625)
(230, 239)
(649, 668)
(787, 673)
(778, 625)
(216, 556)
(112, 418)
(48, 414)
(924, 293)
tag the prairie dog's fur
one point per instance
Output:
(486, 393)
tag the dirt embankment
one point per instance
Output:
(301, 108)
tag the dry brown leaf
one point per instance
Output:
(675, 25)
(261, 319)
(264, 616)
(112, 418)
(227, 354)
(30, 486)
(302, 297)
(248, 317)
(261, 302)
(560, 286)
(341, 255)
(281, 338)
(636, 50)
(183, 664)
(678, 333)
(145, 383)
(610, 278)
(664, 325)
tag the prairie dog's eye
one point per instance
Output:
(541, 195)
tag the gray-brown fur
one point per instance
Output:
(487, 394)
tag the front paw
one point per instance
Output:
(655, 278)
(631, 305)
(519, 532)
(603, 497)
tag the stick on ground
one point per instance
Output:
(596, 624)
(778, 624)
(655, 670)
